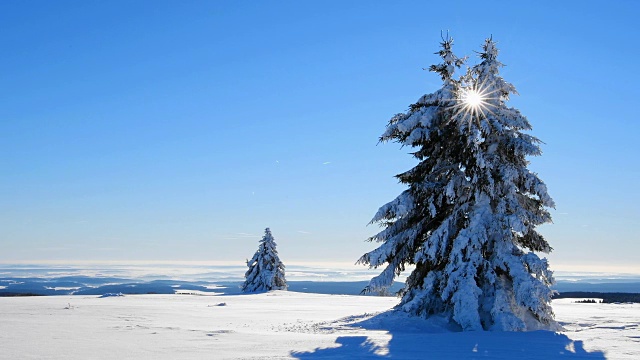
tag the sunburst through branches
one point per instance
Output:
(474, 103)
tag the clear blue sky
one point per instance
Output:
(167, 130)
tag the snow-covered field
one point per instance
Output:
(286, 325)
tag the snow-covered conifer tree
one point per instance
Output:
(467, 220)
(266, 271)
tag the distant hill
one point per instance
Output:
(85, 285)
(595, 285)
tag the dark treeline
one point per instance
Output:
(606, 297)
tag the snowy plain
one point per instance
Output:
(290, 325)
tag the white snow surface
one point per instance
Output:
(290, 325)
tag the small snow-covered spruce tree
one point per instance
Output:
(266, 271)
(467, 220)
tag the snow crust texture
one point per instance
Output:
(266, 271)
(290, 325)
(467, 220)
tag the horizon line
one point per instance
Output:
(565, 269)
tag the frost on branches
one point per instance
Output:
(266, 271)
(467, 220)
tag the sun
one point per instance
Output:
(472, 98)
(473, 103)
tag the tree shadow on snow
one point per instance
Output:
(409, 339)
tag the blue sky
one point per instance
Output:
(164, 130)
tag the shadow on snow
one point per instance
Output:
(410, 338)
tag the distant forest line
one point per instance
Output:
(607, 298)
(89, 285)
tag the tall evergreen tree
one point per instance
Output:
(467, 220)
(266, 271)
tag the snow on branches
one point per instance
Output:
(467, 220)
(266, 271)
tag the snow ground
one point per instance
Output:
(289, 325)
